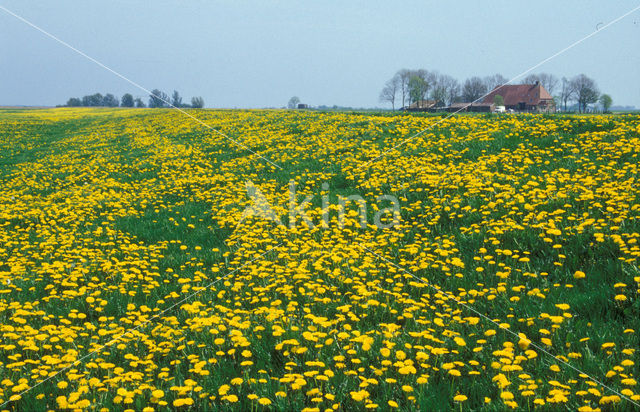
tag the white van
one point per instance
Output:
(500, 109)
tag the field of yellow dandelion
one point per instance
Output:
(129, 281)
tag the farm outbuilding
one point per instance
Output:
(471, 107)
(421, 106)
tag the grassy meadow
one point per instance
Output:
(129, 282)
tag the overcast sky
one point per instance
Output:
(259, 54)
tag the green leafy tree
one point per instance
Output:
(110, 100)
(92, 100)
(197, 102)
(606, 101)
(418, 88)
(127, 100)
(74, 102)
(498, 100)
(158, 98)
(176, 99)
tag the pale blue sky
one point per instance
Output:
(259, 54)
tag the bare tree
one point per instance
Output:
(404, 75)
(445, 89)
(491, 82)
(176, 99)
(438, 91)
(428, 76)
(390, 91)
(453, 89)
(474, 88)
(586, 91)
(293, 102)
(567, 92)
(547, 80)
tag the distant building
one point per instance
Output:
(420, 106)
(303, 106)
(471, 107)
(524, 98)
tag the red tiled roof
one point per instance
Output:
(516, 93)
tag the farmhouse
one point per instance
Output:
(421, 106)
(523, 97)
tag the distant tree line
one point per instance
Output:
(410, 86)
(157, 98)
